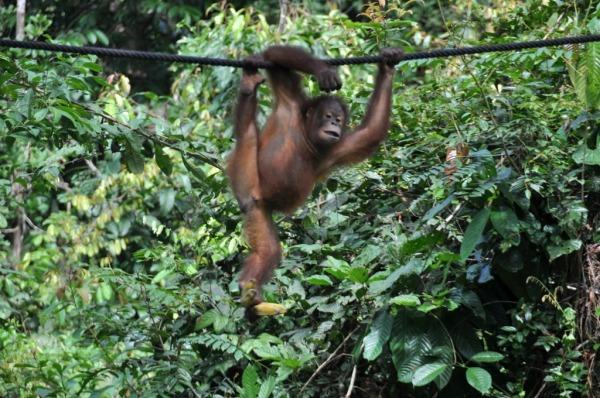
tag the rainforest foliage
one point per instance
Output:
(462, 259)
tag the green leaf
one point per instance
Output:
(465, 339)
(133, 159)
(220, 321)
(24, 103)
(427, 307)
(421, 243)
(406, 300)
(437, 208)
(471, 300)
(414, 266)
(368, 254)
(427, 373)
(308, 248)
(319, 280)
(358, 274)
(102, 38)
(505, 221)
(511, 261)
(378, 336)
(40, 114)
(250, 382)
(92, 66)
(163, 160)
(267, 387)
(206, 319)
(196, 172)
(564, 247)
(62, 111)
(584, 155)
(592, 58)
(91, 37)
(3, 222)
(106, 291)
(487, 357)
(166, 200)
(161, 275)
(77, 83)
(337, 268)
(474, 232)
(584, 72)
(479, 379)
(416, 340)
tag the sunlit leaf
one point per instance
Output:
(319, 280)
(406, 300)
(427, 373)
(250, 382)
(378, 335)
(479, 379)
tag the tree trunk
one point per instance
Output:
(20, 31)
(19, 229)
(283, 13)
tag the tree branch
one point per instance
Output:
(20, 28)
(158, 140)
(352, 380)
(283, 13)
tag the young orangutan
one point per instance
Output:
(301, 142)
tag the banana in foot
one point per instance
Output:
(269, 309)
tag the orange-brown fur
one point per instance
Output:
(276, 170)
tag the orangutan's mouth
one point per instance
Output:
(332, 133)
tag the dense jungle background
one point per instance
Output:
(462, 260)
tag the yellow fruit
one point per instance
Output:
(269, 309)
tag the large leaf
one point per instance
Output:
(358, 274)
(505, 221)
(337, 268)
(133, 159)
(592, 60)
(427, 373)
(578, 77)
(368, 254)
(206, 319)
(319, 280)
(562, 248)
(418, 340)
(267, 387)
(465, 339)
(250, 382)
(196, 172)
(166, 200)
(378, 336)
(163, 160)
(437, 208)
(474, 232)
(414, 266)
(421, 243)
(584, 71)
(585, 155)
(471, 300)
(479, 379)
(512, 260)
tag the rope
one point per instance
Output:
(189, 59)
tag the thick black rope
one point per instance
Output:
(189, 59)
